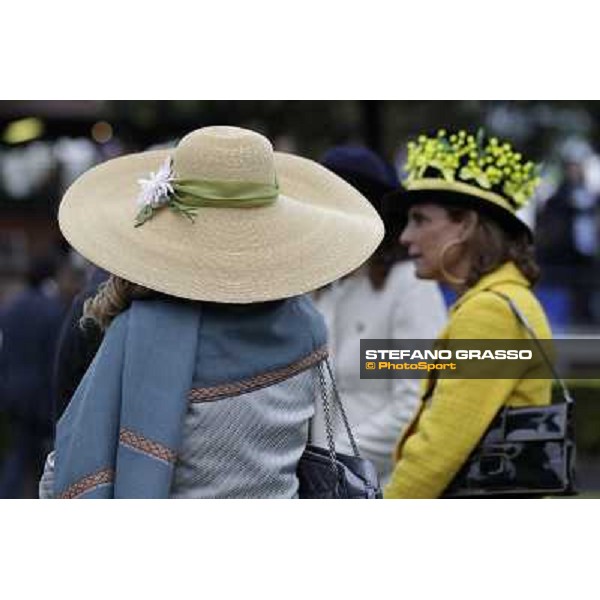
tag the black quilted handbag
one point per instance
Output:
(526, 452)
(324, 473)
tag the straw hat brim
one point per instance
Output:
(319, 229)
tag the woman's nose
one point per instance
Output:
(404, 238)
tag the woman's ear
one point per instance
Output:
(469, 224)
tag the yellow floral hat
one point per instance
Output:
(483, 172)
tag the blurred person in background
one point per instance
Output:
(460, 225)
(569, 240)
(77, 344)
(30, 323)
(381, 300)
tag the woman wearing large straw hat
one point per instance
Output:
(204, 383)
(460, 199)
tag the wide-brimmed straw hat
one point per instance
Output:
(473, 171)
(221, 218)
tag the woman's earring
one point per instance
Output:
(448, 276)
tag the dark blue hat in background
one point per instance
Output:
(375, 179)
(363, 169)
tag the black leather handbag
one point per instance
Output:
(526, 452)
(324, 473)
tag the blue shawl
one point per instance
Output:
(121, 432)
(89, 460)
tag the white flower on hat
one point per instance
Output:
(157, 189)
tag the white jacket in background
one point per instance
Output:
(378, 409)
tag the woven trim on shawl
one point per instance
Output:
(87, 483)
(147, 446)
(226, 390)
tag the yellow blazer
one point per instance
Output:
(448, 426)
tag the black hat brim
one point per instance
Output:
(395, 206)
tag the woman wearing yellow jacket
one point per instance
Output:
(460, 199)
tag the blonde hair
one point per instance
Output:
(113, 297)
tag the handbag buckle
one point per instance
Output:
(496, 459)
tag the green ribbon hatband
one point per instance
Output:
(190, 195)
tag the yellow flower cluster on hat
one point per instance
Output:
(488, 163)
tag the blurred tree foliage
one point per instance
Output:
(536, 127)
(313, 124)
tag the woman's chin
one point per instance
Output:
(421, 271)
(419, 275)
